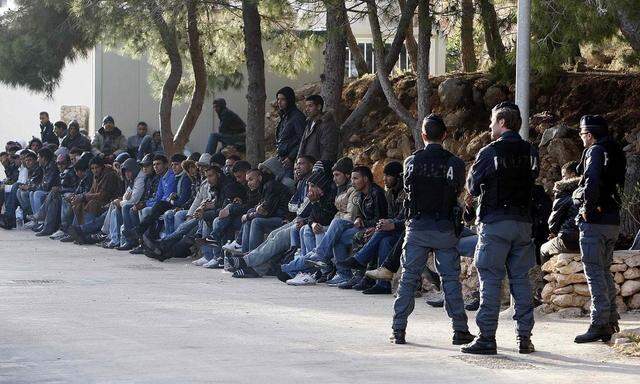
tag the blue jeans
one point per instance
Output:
(467, 245)
(225, 139)
(417, 244)
(66, 214)
(173, 219)
(253, 232)
(341, 250)
(24, 200)
(505, 247)
(308, 239)
(92, 223)
(596, 246)
(219, 228)
(331, 235)
(51, 212)
(36, 199)
(379, 245)
(130, 220)
(115, 222)
(10, 201)
(181, 231)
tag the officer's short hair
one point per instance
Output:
(571, 167)
(433, 126)
(510, 113)
(364, 171)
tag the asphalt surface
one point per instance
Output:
(82, 314)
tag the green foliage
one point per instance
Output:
(36, 41)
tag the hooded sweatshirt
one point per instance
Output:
(134, 189)
(290, 128)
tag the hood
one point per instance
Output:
(566, 185)
(273, 165)
(289, 94)
(130, 165)
(115, 133)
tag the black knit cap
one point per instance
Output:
(320, 179)
(508, 105)
(344, 165)
(178, 158)
(394, 169)
(147, 160)
(594, 124)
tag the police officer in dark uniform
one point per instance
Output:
(602, 171)
(433, 180)
(503, 177)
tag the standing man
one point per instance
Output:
(433, 225)
(321, 138)
(133, 142)
(46, 130)
(602, 170)
(290, 128)
(232, 130)
(503, 177)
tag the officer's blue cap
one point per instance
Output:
(594, 124)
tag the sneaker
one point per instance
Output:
(236, 262)
(139, 250)
(337, 280)
(209, 240)
(232, 247)
(200, 262)
(30, 224)
(314, 260)
(212, 264)
(38, 227)
(380, 273)
(302, 279)
(435, 299)
(57, 235)
(66, 239)
(245, 273)
(352, 282)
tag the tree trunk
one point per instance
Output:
(630, 27)
(631, 214)
(492, 36)
(425, 23)
(256, 93)
(381, 71)
(356, 53)
(169, 40)
(469, 62)
(200, 75)
(375, 90)
(334, 56)
(410, 42)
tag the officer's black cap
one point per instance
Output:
(594, 124)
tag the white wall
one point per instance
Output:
(19, 107)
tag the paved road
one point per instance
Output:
(72, 314)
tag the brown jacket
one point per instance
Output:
(321, 139)
(107, 187)
(345, 203)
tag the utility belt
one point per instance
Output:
(455, 216)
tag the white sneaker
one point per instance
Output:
(302, 279)
(30, 224)
(57, 234)
(232, 247)
(211, 263)
(200, 262)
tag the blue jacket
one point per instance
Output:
(183, 190)
(483, 171)
(166, 186)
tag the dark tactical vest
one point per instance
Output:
(508, 190)
(613, 176)
(430, 186)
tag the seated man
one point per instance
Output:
(91, 207)
(25, 191)
(11, 173)
(74, 198)
(269, 214)
(219, 195)
(299, 201)
(109, 140)
(74, 139)
(388, 231)
(51, 208)
(277, 242)
(162, 202)
(50, 179)
(174, 217)
(133, 179)
(562, 224)
(130, 211)
(151, 145)
(370, 207)
(133, 142)
(231, 130)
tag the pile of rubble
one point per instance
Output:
(566, 290)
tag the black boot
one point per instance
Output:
(615, 326)
(482, 346)
(461, 338)
(595, 333)
(525, 345)
(352, 263)
(397, 337)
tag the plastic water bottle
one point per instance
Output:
(19, 218)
